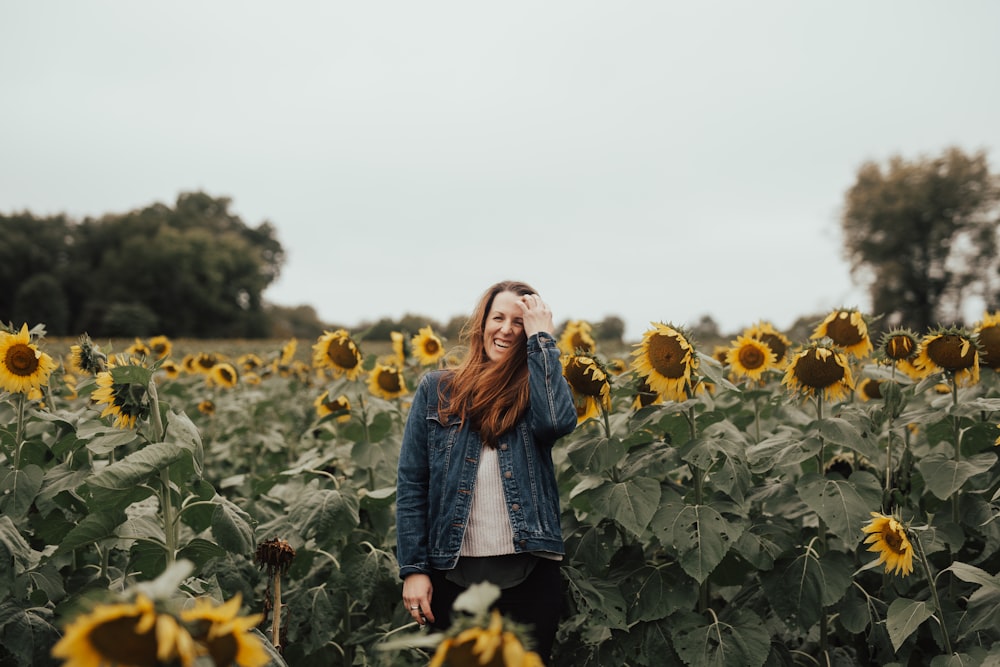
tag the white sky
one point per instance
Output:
(654, 160)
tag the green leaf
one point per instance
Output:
(903, 619)
(843, 505)
(596, 455)
(944, 476)
(15, 552)
(182, 431)
(594, 546)
(725, 459)
(655, 592)
(232, 527)
(699, 533)
(200, 551)
(800, 588)
(326, 514)
(781, 451)
(631, 503)
(18, 489)
(839, 431)
(91, 529)
(136, 468)
(741, 640)
(26, 634)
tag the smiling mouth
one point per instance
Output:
(502, 344)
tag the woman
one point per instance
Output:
(476, 494)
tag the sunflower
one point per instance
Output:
(224, 634)
(750, 357)
(485, 647)
(171, 368)
(774, 339)
(275, 555)
(125, 634)
(327, 406)
(952, 350)
(666, 360)
(819, 370)
(337, 351)
(160, 346)
(249, 362)
(23, 366)
(719, 353)
(590, 385)
(897, 345)
(645, 396)
(427, 347)
(887, 537)
(87, 357)
(576, 338)
(616, 365)
(848, 330)
(203, 362)
(223, 375)
(250, 379)
(127, 399)
(987, 331)
(398, 347)
(288, 352)
(386, 380)
(138, 349)
(870, 389)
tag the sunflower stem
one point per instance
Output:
(22, 401)
(922, 557)
(607, 422)
(166, 501)
(276, 615)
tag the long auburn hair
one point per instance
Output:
(491, 396)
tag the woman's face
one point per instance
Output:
(503, 326)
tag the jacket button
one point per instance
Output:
(523, 543)
(508, 474)
(515, 507)
(503, 447)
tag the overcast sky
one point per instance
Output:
(654, 160)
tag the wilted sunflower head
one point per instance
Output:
(952, 350)
(848, 330)
(774, 339)
(427, 347)
(23, 366)
(327, 405)
(819, 369)
(888, 538)
(337, 351)
(125, 392)
(576, 338)
(897, 345)
(750, 357)
(987, 332)
(275, 555)
(223, 375)
(386, 380)
(666, 359)
(87, 356)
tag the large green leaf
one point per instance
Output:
(982, 612)
(725, 459)
(593, 546)
(631, 503)
(800, 588)
(18, 489)
(904, 617)
(91, 529)
(15, 551)
(601, 600)
(326, 514)
(944, 476)
(232, 527)
(26, 634)
(700, 534)
(844, 505)
(596, 455)
(136, 468)
(741, 640)
(839, 431)
(182, 431)
(656, 591)
(781, 451)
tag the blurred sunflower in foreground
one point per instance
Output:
(143, 634)
(888, 538)
(427, 347)
(23, 366)
(666, 360)
(848, 330)
(819, 370)
(952, 350)
(491, 646)
(337, 351)
(590, 385)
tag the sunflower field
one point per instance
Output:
(767, 502)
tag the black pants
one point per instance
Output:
(536, 602)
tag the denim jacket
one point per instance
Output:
(438, 463)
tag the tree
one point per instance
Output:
(922, 235)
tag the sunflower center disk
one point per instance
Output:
(951, 352)
(751, 358)
(666, 356)
(117, 642)
(21, 360)
(842, 332)
(818, 373)
(989, 338)
(341, 355)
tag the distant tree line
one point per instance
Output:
(921, 236)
